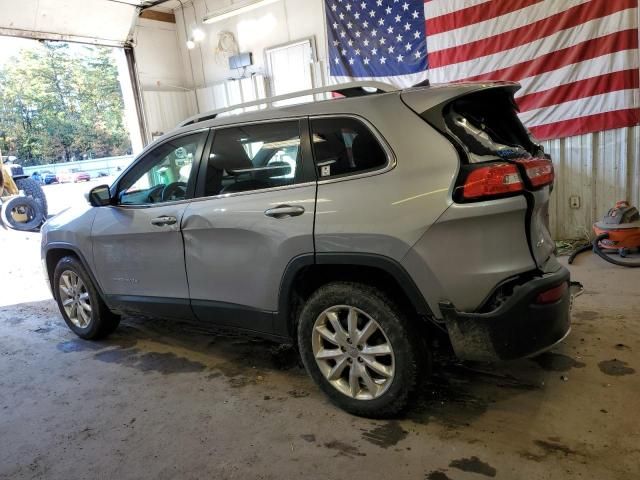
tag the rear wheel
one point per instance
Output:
(33, 189)
(360, 349)
(79, 302)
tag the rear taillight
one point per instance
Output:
(493, 180)
(553, 294)
(539, 171)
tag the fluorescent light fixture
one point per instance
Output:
(236, 9)
(197, 34)
(191, 44)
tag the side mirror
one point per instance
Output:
(100, 196)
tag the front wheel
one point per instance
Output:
(80, 304)
(360, 349)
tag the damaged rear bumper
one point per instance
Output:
(520, 327)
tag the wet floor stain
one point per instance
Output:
(386, 435)
(308, 437)
(457, 394)
(298, 393)
(552, 447)
(42, 330)
(474, 465)
(437, 475)
(622, 346)
(164, 363)
(615, 368)
(585, 315)
(344, 449)
(555, 447)
(556, 362)
(78, 346)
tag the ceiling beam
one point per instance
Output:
(158, 16)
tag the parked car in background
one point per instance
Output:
(48, 177)
(362, 229)
(37, 177)
(75, 175)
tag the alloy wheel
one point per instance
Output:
(353, 352)
(75, 298)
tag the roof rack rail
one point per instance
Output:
(351, 89)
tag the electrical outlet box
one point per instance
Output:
(574, 201)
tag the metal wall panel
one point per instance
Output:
(600, 169)
(166, 109)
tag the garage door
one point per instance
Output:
(105, 22)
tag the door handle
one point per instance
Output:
(284, 211)
(162, 221)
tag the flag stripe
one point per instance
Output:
(614, 42)
(436, 8)
(588, 124)
(594, 30)
(492, 27)
(613, 62)
(610, 82)
(575, 108)
(573, 17)
(474, 14)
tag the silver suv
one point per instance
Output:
(357, 227)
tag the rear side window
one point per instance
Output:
(344, 146)
(253, 157)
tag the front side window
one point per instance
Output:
(163, 174)
(344, 146)
(253, 157)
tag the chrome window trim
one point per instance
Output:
(391, 157)
(254, 192)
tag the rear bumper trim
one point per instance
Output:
(518, 328)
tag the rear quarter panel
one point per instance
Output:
(386, 213)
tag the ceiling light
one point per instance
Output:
(191, 44)
(197, 34)
(236, 9)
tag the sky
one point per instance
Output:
(10, 46)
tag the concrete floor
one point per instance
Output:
(161, 400)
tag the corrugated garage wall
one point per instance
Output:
(599, 169)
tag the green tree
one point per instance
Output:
(57, 104)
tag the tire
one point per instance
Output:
(93, 323)
(21, 207)
(388, 395)
(34, 189)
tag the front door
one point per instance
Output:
(255, 214)
(137, 245)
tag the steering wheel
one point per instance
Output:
(155, 193)
(172, 189)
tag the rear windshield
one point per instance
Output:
(487, 124)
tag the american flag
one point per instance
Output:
(577, 60)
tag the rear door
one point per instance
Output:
(255, 214)
(137, 245)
